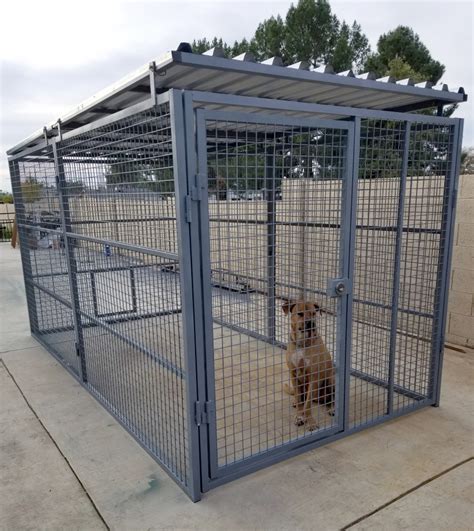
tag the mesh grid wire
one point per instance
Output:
(275, 200)
(381, 156)
(118, 199)
(429, 163)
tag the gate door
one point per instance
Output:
(275, 215)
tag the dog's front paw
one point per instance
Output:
(311, 424)
(300, 420)
(331, 412)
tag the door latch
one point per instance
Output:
(337, 287)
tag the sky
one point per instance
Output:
(55, 54)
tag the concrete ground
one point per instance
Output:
(65, 463)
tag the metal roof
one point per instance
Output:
(244, 76)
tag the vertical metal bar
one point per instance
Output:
(24, 245)
(271, 237)
(133, 288)
(71, 261)
(396, 268)
(353, 180)
(201, 250)
(94, 294)
(180, 127)
(444, 263)
(302, 202)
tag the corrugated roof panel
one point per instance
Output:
(212, 72)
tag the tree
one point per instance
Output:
(405, 45)
(6, 197)
(269, 40)
(310, 32)
(31, 190)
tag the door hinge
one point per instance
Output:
(195, 194)
(202, 412)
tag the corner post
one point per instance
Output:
(444, 262)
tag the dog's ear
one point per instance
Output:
(317, 307)
(287, 307)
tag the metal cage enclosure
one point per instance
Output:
(160, 244)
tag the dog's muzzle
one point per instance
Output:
(309, 326)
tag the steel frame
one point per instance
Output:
(188, 123)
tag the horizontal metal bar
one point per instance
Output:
(286, 451)
(107, 269)
(251, 333)
(129, 247)
(384, 383)
(150, 353)
(51, 293)
(272, 119)
(131, 220)
(118, 320)
(39, 228)
(40, 146)
(294, 106)
(383, 228)
(245, 276)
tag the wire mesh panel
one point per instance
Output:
(100, 243)
(43, 256)
(276, 198)
(403, 173)
(429, 175)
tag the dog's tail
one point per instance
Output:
(288, 390)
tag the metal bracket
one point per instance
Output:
(202, 412)
(337, 287)
(195, 194)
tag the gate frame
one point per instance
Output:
(201, 117)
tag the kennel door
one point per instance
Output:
(274, 228)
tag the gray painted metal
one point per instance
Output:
(396, 267)
(181, 70)
(444, 265)
(72, 265)
(202, 117)
(190, 112)
(186, 275)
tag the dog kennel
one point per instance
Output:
(165, 222)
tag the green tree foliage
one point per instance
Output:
(31, 190)
(310, 32)
(6, 197)
(125, 177)
(404, 44)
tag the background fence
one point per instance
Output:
(7, 215)
(115, 220)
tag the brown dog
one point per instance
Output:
(310, 363)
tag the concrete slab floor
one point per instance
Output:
(397, 475)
